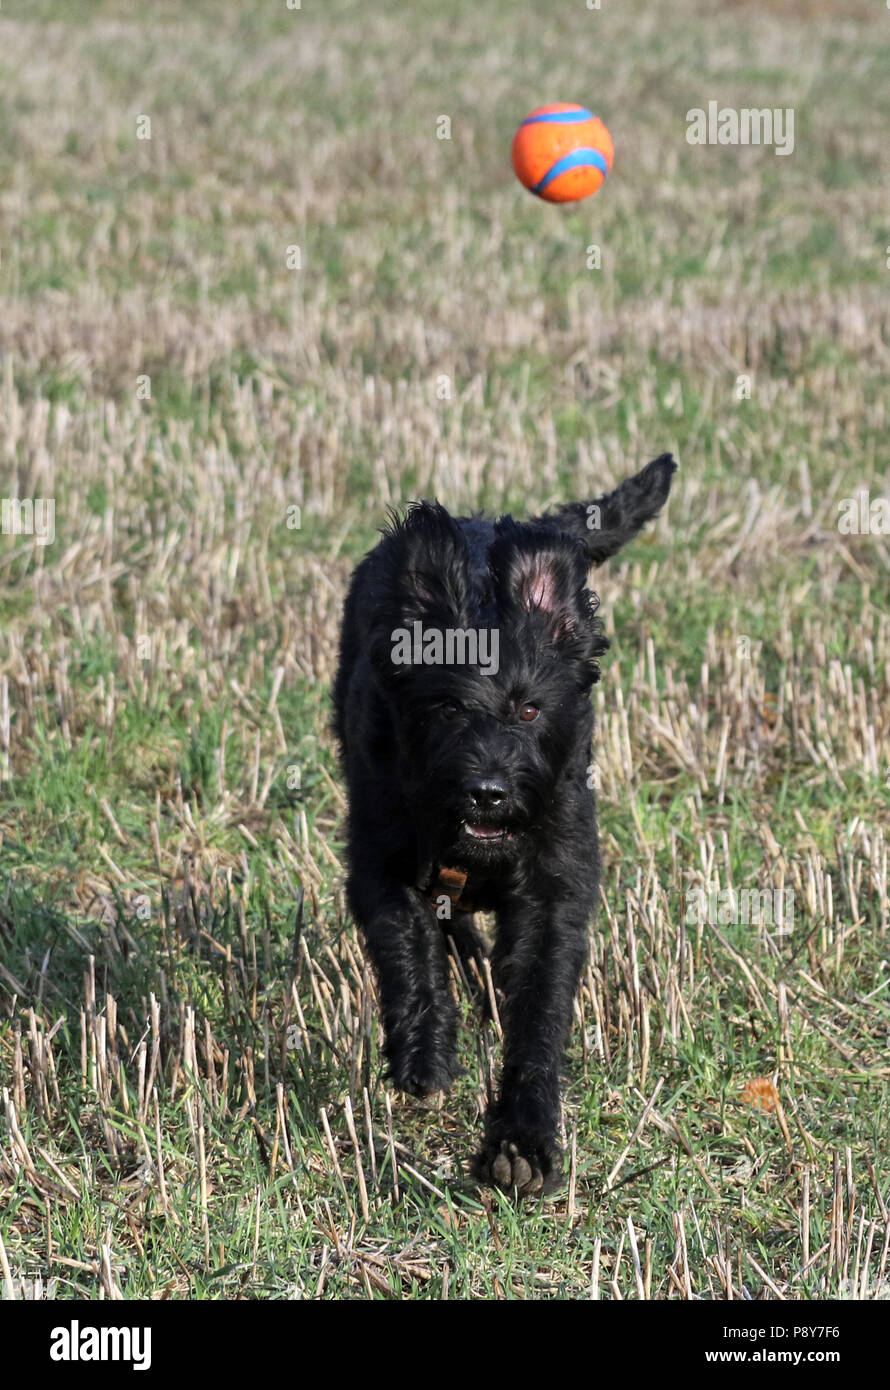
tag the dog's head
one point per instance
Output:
(486, 645)
(486, 659)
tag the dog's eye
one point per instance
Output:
(450, 710)
(528, 713)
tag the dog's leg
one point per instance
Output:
(408, 952)
(537, 964)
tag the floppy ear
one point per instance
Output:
(542, 585)
(545, 575)
(427, 573)
(606, 524)
(423, 579)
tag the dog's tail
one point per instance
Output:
(605, 525)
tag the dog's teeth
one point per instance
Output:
(486, 832)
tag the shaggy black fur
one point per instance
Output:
(450, 767)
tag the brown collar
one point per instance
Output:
(449, 883)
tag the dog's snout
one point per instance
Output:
(486, 793)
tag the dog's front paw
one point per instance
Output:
(528, 1169)
(420, 1075)
(421, 1048)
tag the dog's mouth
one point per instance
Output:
(488, 834)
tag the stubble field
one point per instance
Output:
(224, 351)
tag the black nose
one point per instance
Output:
(486, 793)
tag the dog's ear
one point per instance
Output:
(606, 524)
(422, 579)
(543, 574)
(543, 585)
(427, 569)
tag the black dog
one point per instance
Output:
(462, 700)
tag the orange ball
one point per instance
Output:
(562, 152)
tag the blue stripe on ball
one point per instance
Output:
(576, 160)
(562, 117)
